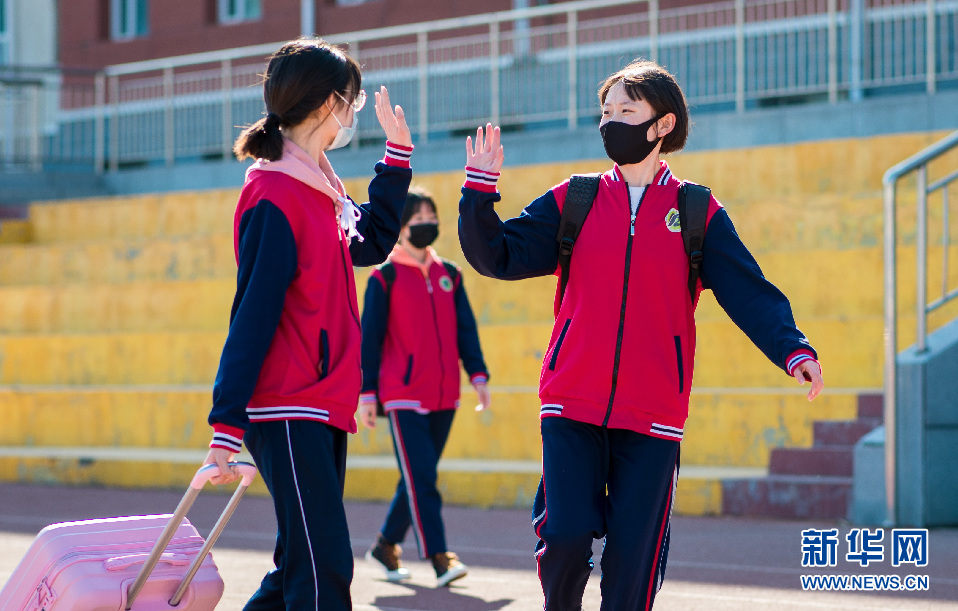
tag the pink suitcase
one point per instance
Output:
(143, 563)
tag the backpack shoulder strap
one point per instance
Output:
(388, 270)
(693, 214)
(452, 269)
(578, 202)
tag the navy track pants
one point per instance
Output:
(303, 463)
(599, 482)
(418, 440)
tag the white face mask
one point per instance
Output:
(344, 134)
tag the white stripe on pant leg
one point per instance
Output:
(302, 511)
(660, 578)
(410, 489)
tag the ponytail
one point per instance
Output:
(261, 140)
(299, 79)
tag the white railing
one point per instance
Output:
(918, 165)
(526, 68)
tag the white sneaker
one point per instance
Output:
(448, 568)
(389, 556)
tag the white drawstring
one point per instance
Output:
(349, 217)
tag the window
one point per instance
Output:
(233, 11)
(5, 29)
(129, 18)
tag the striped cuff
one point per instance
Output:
(480, 180)
(479, 378)
(227, 437)
(798, 357)
(397, 155)
(367, 398)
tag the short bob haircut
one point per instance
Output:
(646, 80)
(416, 198)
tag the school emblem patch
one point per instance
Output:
(672, 221)
(445, 283)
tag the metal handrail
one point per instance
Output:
(396, 31)
(917, 163)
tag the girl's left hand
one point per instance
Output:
(392, 120)
(485, 398)
(811, 371)
(367, 415)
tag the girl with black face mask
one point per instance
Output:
(417, 326)
(616, 376)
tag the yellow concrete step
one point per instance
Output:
(189, 305)
(119, 358)
(775, 180)
(112, 416)
(15, 231)
(141, 216)
(477, 483)
(820, 283)
(77, 288)
(850, 350)
(186, 258)
(727, 427)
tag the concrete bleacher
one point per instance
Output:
(113, 313)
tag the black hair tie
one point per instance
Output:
(272, 120)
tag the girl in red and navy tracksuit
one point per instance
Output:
(616, 377)
(289, 377)
(417, 325)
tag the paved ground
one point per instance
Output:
(716, 564)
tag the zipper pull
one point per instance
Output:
(632, 226)
(429, 286)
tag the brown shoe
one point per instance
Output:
(448, 568)
(389, 555)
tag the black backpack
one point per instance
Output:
(388, 270)
(693, 214)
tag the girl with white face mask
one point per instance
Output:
(289, 377)
(616, 377)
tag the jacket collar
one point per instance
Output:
(661, 177)
(399, 256)
(317, 174)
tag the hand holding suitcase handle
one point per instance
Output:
(207, 472)
(222, 457)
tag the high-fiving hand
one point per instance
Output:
(488, 153)
(392, 120)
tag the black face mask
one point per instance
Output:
(422, 235)
(625, 144)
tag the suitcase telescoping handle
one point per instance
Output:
(248, 472)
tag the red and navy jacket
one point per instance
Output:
(414, 333)
(623, 343)
(293, 348)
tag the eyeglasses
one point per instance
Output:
(358, 102)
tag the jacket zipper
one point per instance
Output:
(625, 295)
(435, 320)
(343, 249)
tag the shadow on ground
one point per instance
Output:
(422, 597)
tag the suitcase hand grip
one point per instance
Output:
(246, 470)
(120, 563)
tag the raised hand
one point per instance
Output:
(487, 155)
(392, 120)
